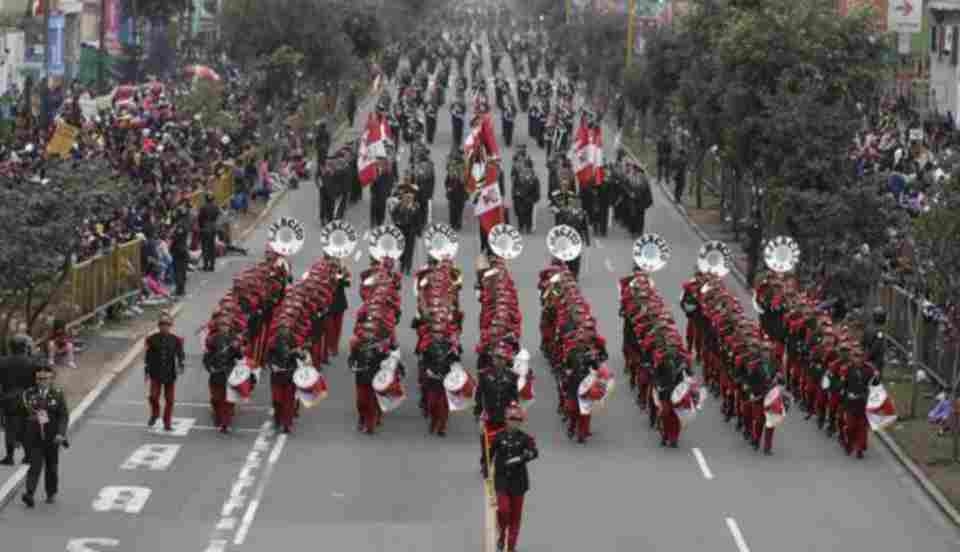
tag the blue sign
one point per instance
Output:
(56, 64)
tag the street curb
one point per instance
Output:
(701, 233)
(928, 486)
(13, 483)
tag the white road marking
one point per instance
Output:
(193, 405)
(599, 243)
(337, 495)
(702, 461)
(153, 457)
(84, 545)
(159, 429)
(737, 535)
(130, 500)
(251, 512)
(609, 265)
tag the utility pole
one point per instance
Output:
(568, 5)
(631, 24)
(102, 62)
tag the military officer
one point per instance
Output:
(164, 359)
(511, 451)
(430, 112)
(458, 111)
(46, 417)
(456, 187)
(508, 115)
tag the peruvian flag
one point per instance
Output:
(37, 8)
(587, 155)
(489, 206)
(372, 147)
(480, 148)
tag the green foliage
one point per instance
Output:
(936, 236)
(206, 100)
(775, 85)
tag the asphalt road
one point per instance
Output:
(326, 485)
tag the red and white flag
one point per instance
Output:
(587, 155)
(372, 147)
(479, 149)
(489, 206)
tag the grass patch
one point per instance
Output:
(919, 439)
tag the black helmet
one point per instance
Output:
(879, 315)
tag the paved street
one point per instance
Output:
(326, 485)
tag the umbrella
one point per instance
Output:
(202, 72)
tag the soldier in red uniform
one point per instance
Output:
(221, 355)
(512, 449)
(333, 325)
(164, 360)
(282, 359)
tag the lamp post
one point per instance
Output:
(631, 29)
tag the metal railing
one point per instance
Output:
(102, 281)
(931, 351)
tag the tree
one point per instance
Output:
(39, 235)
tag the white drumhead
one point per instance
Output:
(586, 384)
(383, 380)
(305, 377)
(455, 380)
(239, 375)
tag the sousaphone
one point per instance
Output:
(441, 241)
(715, 258)
(286, 236)
(564, 242)
(386, 241)
(781, 254)
(651, 252)
(505, 241)
(339, 239)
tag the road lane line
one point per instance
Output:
(118, 423)
(251, 512)
(702, 461)
(737, 535)
(599, 243)
(609, 265)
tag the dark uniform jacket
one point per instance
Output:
(16, 375)
(223, 353)
(164, 355)
(494, 395)
(35, 403)
(511, 451)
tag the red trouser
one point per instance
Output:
(778, 351)
(576, 422)
(169, 392)
(222, 409)
(692, 338)
(509, 513)
(318, 352)
(332, 326)
(284, 403)
(438, 407)
(760, 425)
(669, 423)
(643, 383)
(368, 410)
(856, 428)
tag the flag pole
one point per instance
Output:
(631, 29)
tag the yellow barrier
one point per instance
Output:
(221, 187)
(105, 279)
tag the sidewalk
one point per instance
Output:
(707, 222)
(911, 441)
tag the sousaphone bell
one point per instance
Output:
(339, 239)
(651, 252)
(564, 242)
(441, 241)
(505, 241)
(286, 236)
(715, 258)
(386, 241)
(781, 254)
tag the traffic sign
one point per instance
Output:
(905, 16)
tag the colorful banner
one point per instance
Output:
(56, 65)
